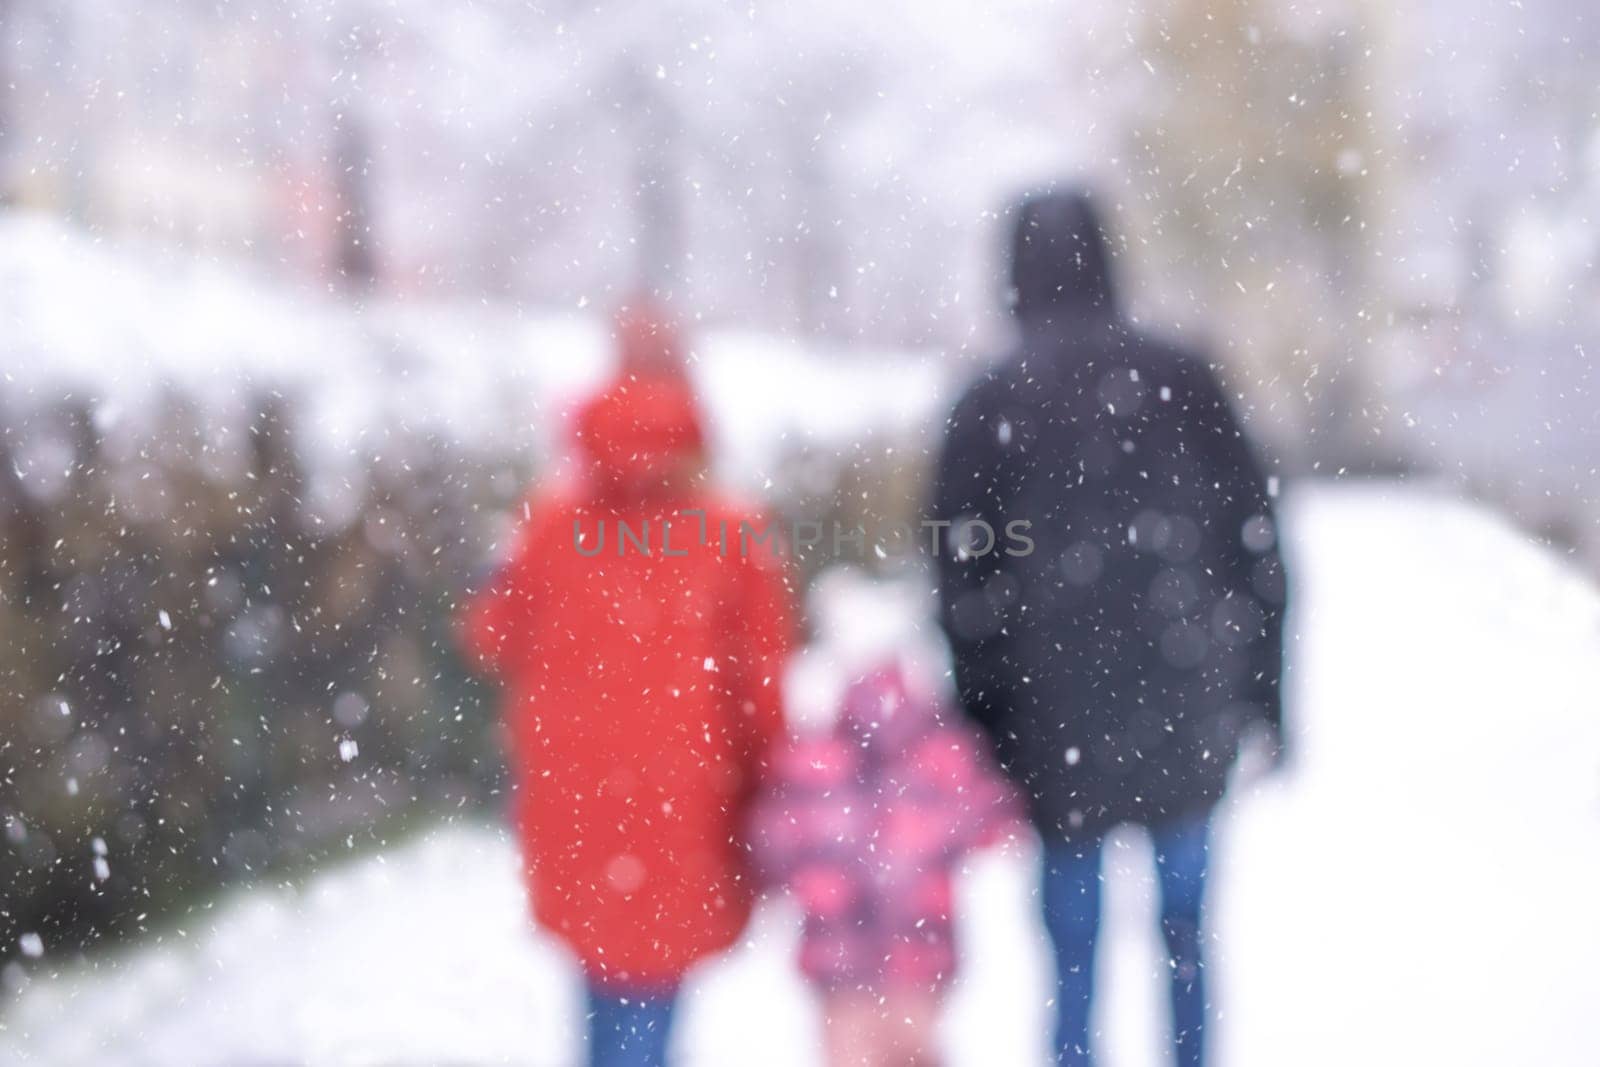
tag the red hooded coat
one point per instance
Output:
(641, 691)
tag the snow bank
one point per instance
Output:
(1418, 889)
(120, 321)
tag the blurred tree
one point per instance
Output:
(1258, 174)
(196, 681)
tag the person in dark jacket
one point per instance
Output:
(1117, 665)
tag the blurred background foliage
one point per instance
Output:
(201, 684)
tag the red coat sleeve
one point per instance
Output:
(491, 619)
(765, 626)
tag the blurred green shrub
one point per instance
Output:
(202, 678)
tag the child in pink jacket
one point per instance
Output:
(864, 825)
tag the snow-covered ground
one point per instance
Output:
(1419, 888)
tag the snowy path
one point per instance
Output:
(1420, 889)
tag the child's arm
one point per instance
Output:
(794, 823)
(772, 834)
(992, 812)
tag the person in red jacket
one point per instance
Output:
(640, 651)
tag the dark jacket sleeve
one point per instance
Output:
(968, 485)
(1245, 519)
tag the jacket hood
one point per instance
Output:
(1059, 263)
(638, 432)
(641, 429)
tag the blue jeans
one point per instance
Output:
(629, 1029)
(1071, 893)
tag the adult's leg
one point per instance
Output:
(1071, 896)
(629, 1029)
(1181, 856)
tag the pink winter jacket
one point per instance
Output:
(864, 826)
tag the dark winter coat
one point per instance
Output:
(1117, 664)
